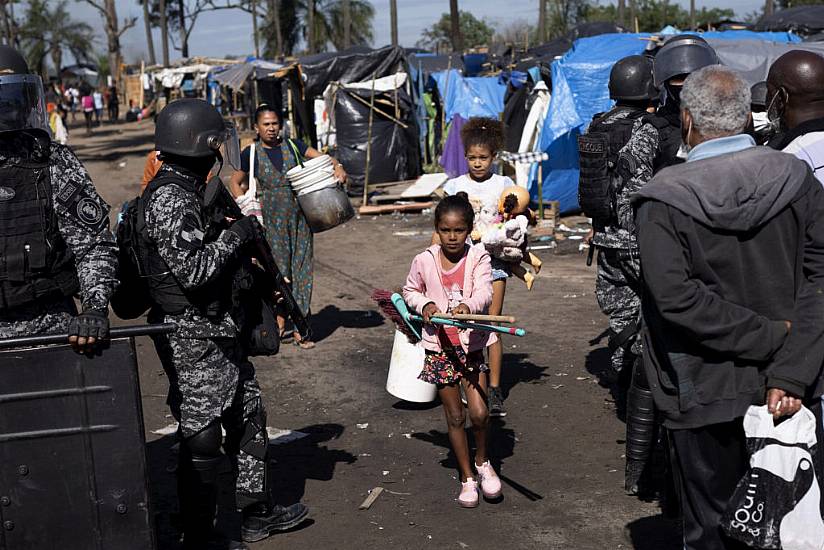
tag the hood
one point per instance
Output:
(734, 192)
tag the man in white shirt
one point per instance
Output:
(795, 97)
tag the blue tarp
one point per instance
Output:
(579, 91)
(476, 96)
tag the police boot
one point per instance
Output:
(640, 428)
(262, 519)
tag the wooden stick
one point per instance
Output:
(368, 142)
(371, 498)
(541, 191)
(372, 108)
(474, 317)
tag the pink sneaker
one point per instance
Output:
(469, 494)
(490, 482)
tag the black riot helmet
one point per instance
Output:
(682, 55)
(631, 79)
(22, 101)
(193, 128)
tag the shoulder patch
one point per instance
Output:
(89, 212)
(191, 235)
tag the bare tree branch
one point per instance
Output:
(99, 7)
(128, 23)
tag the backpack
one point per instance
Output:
(131, 297)
(598, 158)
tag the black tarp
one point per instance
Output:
(803, 20)
(515, 114)
(395, 154)
(353, 65)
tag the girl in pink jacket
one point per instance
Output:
(454, 277)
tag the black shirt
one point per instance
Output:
(275, 156)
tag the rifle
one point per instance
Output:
(219, 204)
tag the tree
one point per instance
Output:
(455, 26)
(518, 33)
(475, 33)
(653, 15)
(48, 31)
(147, 22)
(114, 30)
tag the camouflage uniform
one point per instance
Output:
(618, 282)
(209, 374)
(83, 223)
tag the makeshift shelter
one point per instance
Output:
(375, 126)
(803, 20)
(579, 91)
(470, 96)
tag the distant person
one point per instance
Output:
(98, 106)
(73, 100)
(795, 96)
(113, 105)
(287, 230)
(87, 102)
(58, 129)
(454, 277)
(482, 139)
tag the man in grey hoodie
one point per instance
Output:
(732, 244)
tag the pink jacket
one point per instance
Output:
(423, 285)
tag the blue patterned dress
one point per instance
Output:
(286, 227)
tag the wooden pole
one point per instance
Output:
(393, 20)
(541, 191)
(369, 143)
(164, 33)
(443, 98)
(142, 70)
(455, 20)
(768, 7)
(692, 14)
(622, 8)
(255, 28)
(290, 111)
(541, 21)
(347, 23)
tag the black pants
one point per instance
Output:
(708, 464)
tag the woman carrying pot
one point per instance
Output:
(286, 228)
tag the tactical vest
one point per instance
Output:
(35, 262)
(669, 140)
(212, 300)
(598, 158)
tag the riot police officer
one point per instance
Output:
(191, 260)
(655, 144)
(602, 194)
(55, 240)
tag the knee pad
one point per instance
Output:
(207, 442)
(203, 454)
(255, 440)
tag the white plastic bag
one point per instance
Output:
(248, 202)
(776, 505)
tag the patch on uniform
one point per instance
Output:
(6, 194)
(190, 236)
(66, 193)
(89, 212)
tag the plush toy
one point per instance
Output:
(505, 235)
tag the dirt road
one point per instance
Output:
(559, 451)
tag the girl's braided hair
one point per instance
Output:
(483, 132)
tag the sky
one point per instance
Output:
(228, 32)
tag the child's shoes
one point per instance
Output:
(529, 279)
(469, 494)
(490, 482)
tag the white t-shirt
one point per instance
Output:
(98, 100)
(809, 148)
(482, 194)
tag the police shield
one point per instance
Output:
(72, 449)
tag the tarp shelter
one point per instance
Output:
(236, 76)
(804, 20)
(472, 96)
(395, 152)
(173, 77)
(579, 91)
(754, 58)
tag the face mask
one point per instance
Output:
(673, 94)
(773, 113)
(763, 128)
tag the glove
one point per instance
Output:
(247, 228)
(90, 323)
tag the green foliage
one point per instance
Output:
(653, 15)
(48, 30)
(476, 32)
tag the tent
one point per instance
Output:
(579, 91)
(804, 20)
(236, 76)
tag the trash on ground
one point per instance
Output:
(371, 498)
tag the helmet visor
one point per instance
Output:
(22, 103)
(230, 146)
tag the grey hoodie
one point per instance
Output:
(731, 247)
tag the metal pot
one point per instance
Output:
(326, 208)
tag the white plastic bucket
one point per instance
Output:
(315, 174)
(404, 367)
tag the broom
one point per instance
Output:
(396, 310)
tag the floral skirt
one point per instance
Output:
(450, 365)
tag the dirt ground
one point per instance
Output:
(559, 451)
